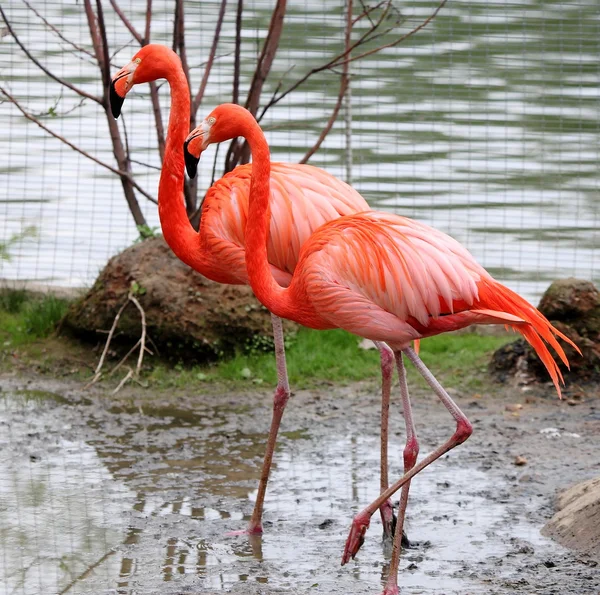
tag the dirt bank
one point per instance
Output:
(135, 493)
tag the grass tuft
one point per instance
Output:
(24, 317)
(11, 300)
(334, 356)
(42, 316)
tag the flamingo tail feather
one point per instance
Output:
(537, 331)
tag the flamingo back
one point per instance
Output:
(303, 198)
(397, 264)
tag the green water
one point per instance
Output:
(484, 124)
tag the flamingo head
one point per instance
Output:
(225, 122)
(152, 62)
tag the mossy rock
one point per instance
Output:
(573, 307)
(189, 318)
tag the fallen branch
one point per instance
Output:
(131, 374)
(98, 371)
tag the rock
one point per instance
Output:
(520, 461)
(573, 307)
(577, 523)
(188, 317)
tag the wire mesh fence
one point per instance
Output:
(483, 124)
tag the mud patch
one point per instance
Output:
(577, 522)
(137, 495)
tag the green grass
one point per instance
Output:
(333, 356)
(25, 318)
(313, 357)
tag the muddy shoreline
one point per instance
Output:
(158, 479)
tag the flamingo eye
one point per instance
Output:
(211, 120)
(138, 60)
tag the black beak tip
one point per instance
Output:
(191, 162)
(116, 101)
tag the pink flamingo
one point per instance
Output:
(302, 199)
(386, 278)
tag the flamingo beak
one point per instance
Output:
(192, 149)
(119, 86)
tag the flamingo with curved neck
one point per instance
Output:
(306, 197)
(385, 278)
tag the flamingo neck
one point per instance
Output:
(265, 287)
(176, 227)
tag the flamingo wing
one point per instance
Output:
(393, 279)
(303, 198)
(397, 266)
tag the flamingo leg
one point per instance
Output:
(361, 521)
(411, 451)
(387, 368)
(280, 399)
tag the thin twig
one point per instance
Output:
(56, 30)
(343, 57)
(76, 148)
(122, 383)
(344, 84)
(98, 371)
(397, 41)
(126, 22)
(179, 38)
(238, 47)
(63, 82)
(144, 164)
(105, 62)
(124, 358)
(239, 152)
(138, 367)
(211, 57)
(146, 39)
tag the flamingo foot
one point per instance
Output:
(356, 538)
(251, 530)
(388, 519)
(391, 590)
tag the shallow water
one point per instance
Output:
(484, 124)
(133, 501)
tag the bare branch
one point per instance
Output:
(179, 38)
(143, 164)
(239, 151)
(238, 47)
(397, 41)
(105, 62)
(98, 372)
(63, 82)
(119, 172)
(138, 366)
(122, 383)
(213, 50)
(344, 84)
(141, 342)
(57, 31)
(146, 39)
(367, 10)
(127, 22)
(267, 55)
(124, 358)
(341, 58)
(160, 130)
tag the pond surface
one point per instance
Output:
(134, 499)
(484, 124)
